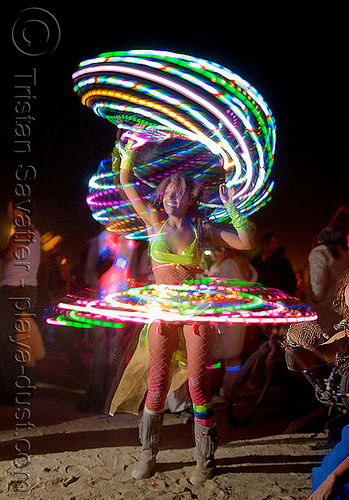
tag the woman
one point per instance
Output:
(176, 234)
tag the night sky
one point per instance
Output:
(297, 63)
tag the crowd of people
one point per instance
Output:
(35, 274)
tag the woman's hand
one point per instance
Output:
(226, 194)
(136, 138)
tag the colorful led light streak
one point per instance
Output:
(108, 204)
(215, 112)
(79, 320)
(210, 300)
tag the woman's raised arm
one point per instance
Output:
(243, 238)
(146, 212)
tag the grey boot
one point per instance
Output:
(206, 445)
(149, 434)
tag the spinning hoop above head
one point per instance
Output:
(194, 112)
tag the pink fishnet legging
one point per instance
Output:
(199, 340)
(163, 341)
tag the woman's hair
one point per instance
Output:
(339, 303)
(186, 185)
(331, 239)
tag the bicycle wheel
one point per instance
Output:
(251, 385)
(344, 388)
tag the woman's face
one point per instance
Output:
(176, 201)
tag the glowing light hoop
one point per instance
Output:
(176, 95)
(211, 300)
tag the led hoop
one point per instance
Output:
(214, 300)
(175, 95)
(109, 206)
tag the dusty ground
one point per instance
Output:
(67, 454)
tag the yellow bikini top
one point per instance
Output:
(160, 252)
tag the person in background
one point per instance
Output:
(54, 282)
(107, 271)
(273, 268)
(140, 270)
(331, 480)
(328, 261)
(77, 272)
(302, 277)
(18, 292)
(231, 264)
(53, 275)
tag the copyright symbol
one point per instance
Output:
(36, 32)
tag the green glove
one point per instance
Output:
(116, 158)
(124, 160)
(239, 223)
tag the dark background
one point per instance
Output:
(297, 62)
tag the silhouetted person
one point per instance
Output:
(274, 269)
(18, 295)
